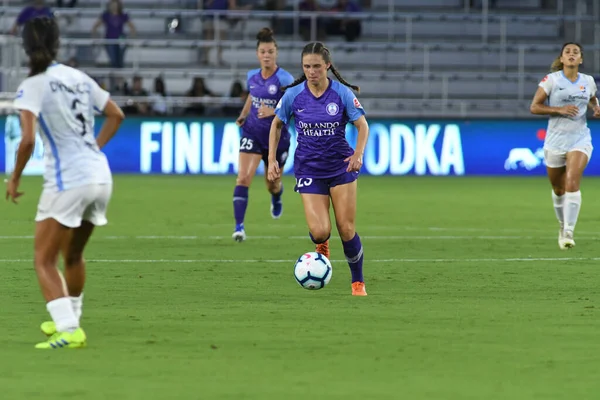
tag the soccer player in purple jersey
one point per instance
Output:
(324, 164)
(264, 85)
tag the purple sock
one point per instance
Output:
(353, 250)
(277, 196)
(240, 201)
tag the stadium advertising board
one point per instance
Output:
(395, 147)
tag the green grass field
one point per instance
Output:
(469, 297)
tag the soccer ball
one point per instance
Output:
(313, 271)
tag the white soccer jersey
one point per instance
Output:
(64, 100)
(565, 132)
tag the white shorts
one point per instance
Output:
(70, 207)
(558, 158)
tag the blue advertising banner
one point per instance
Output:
(395, 147)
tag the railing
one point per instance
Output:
(14, 71)
(445, 106)
(380, 108)
(390, 19)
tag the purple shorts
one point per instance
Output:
(249, 144)
(308, 185)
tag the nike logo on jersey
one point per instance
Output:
(300, 110)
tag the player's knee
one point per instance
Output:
(571, 184)
(243, 180)
(559, 190)
(320, 235)
(274, 187)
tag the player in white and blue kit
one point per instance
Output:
(325, 165)
(264, 86)
(565, 95)
(12, 137)
(77, 179)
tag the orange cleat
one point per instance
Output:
(358, 289)
(323, 248)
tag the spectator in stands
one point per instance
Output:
(479, 3)
(70, 4)
(117, 85)
(239, 95)
(278, 25)
(136, 106)
(37, 9)
(101, 82)
(209, 29)
(197, 90)
(72, 62)
(159, 98)
(306, 24)
(114, 20)
(349, 27)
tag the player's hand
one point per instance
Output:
(596, 111)
(569, 111)
(273, 172)
(355, 163)
(12, 190)
(264, 111)
(240, 121)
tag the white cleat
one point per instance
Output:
(561, 239)
(239, 236)
(565, 240)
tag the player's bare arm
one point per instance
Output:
(245, 111)
(114, 117)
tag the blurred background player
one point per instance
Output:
(77, 180)
(264, 86)
(324, 164)
(568, 143)
(12, 137)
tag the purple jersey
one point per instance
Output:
(321, 127)
(114, 24)
(267, 91)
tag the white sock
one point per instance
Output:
(77, 303)
(61, 311)
(558, 208)
(572, 204)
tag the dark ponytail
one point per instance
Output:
(265, 35)
(298, 81)
(40, 42)
(319, 48)
(342, 80)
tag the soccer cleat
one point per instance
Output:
(64, 340)
(239, 235)
(323, 248)
(567, 241)
(276, 209)
(358, 289)
(561, 238)
(48, 328)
